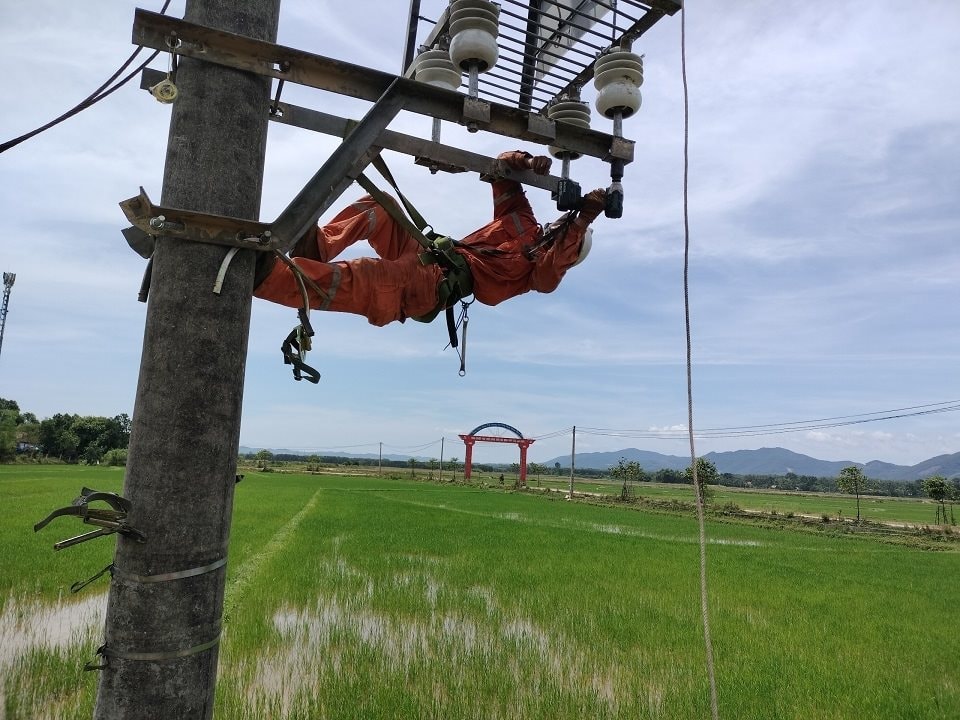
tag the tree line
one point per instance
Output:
(67, 437)
(97, 439)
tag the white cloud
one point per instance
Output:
(823, 213)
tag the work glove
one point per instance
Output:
(594, 203)
(518, 160)
(540, 164)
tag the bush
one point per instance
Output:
(115, 458)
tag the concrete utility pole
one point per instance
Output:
(166, 596)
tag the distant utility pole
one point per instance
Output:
(573, 458)
(166, 596)
(8, 279)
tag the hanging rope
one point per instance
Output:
(697, 488)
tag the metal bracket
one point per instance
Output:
(433, 155)
(360, 145)
(109, 521)
(620, 149)
(199, 227)
(542, 126)
(438, 166)
(476, 111)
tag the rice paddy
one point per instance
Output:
(352, 597)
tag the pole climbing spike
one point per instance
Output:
(109, 521)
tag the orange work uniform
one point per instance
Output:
(506, 258)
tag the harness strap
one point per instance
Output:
(387, 204)
(457, 280)
(380, 164)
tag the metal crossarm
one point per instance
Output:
(297, 66)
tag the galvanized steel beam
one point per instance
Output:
(284, 63)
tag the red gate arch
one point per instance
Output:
(471, 438)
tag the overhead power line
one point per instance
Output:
(555, 433)
(680, 434)
(785, 427)
(93, 98)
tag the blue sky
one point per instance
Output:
(824, 186)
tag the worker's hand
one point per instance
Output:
(540, 164)
(517, 160)
(594, 203)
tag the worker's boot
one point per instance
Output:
(306, 246)
(265, 262)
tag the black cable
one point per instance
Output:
(782, 428)
(96, 96)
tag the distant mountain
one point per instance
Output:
(774, 461)
(768, 461)
(765, 461)
(946, 465)
(649, 461)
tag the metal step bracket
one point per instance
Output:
(109, 521)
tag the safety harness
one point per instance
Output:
(457, 282)
(456, 285)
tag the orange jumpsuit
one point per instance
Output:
(504, 258)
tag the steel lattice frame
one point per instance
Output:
(533, 70)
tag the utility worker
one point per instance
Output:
(507, 257)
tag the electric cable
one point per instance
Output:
(96, 96)
(778, 428)
(697, 485)
(555, 433)
(413, 448)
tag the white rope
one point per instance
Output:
(697, 487)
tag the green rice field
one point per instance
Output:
(907, 511)
(365, 597)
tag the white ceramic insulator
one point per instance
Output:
(617, 76)
(434, 67)
(573, 112)
(473, 34)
